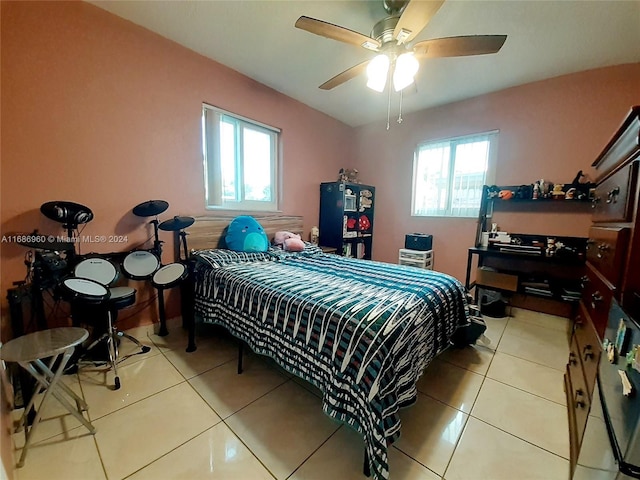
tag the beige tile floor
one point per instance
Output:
(490, 412)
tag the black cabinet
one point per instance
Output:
(346, 218)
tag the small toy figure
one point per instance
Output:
(558, 193)
(551, 246)
(290, 242)
(315, 235)
(348, 175)
(576, 180)
(364, 223)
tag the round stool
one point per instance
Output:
(29, 351)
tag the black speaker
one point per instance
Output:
(418, 241)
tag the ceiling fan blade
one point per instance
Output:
(459, 46)
(335, 32)
(345, 76)
(414, 18)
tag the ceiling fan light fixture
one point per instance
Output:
(403, 35)
(405, 70)
(377, 71)
(370, 45)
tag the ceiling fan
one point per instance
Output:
(391, 37)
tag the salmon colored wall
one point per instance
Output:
(99, 111)
(548, 129)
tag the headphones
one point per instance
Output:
(67, 212)
(68, 215)
(82, 216)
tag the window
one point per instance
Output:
(240, 162)
(448, 175)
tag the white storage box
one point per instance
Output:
(416, 258)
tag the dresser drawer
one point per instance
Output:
(579, 401)
(596, 297)
(589, 346)
(574, 447)
(614, 197)
(606, 251)
(624, 144)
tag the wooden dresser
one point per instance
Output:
(612, 268)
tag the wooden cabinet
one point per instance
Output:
(613, 268)
(614, 239)
(346, 218)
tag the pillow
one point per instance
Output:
(245, 234)
(222, 257)
(290, 242)
(310, 250)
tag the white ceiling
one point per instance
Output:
(258, 39)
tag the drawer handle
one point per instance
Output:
(612, 195)
(578, 321)
(596, 298)
(595, 201)
(603, 247)
(587, 352)
(572, 359)
(576, 402)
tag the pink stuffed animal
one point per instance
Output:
(290, 242)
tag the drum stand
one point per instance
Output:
(163, 332)
(187, 296)
(183, 243)
(157, 243)
(111, 338)
(152, 208)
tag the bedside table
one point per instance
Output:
(416, 258)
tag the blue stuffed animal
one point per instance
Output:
(245, 234)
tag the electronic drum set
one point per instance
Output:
(88, 282)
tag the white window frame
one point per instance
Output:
(491, 136)
(214, 200)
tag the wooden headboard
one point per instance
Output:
(209, 231)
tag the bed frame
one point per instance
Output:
(208, 232)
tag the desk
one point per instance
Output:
(510, 266)
(56, 345)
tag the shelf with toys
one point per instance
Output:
(541, 191)
(542, 267)
(540, 196)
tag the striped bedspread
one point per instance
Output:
(361, 331)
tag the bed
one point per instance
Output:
(361, 331)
